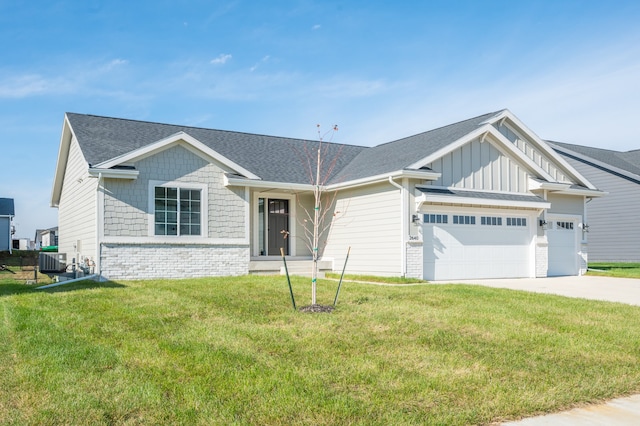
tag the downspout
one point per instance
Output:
(99, 224)
(403, 218)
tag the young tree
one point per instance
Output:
(320, 162)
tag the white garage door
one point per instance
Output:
(468, 246)
(563, 249)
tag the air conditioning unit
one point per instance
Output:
(52, 262)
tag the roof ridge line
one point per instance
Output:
(215, 130)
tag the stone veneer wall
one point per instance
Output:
(584, 258)
(415, 268)
(147, 261)
(542, 256)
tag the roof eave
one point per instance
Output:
(398, 174)
(61, 162)
(257, 183)
(113, 173)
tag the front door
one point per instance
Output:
(277, 226)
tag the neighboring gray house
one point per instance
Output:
(480, 198)
(612, 220)
(7, 211)
(46, 238)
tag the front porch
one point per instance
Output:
(297, 265)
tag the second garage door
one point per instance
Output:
(468, 246)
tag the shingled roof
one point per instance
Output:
(629, 161)
(272, 158)
(399, 154)
(7, 207)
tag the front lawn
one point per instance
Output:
(609, 269)
(233, 351)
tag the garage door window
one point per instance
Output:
(565, 225)
(435, 218)
(491, 220)
(516, 221)
(464, 220)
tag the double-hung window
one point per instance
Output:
(178, 210)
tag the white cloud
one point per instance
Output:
(221, 59)
(262, 61)
(316, 27)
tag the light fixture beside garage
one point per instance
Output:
(585, 227)
(543, 224)
(415, 219)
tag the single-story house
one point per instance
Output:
(484, 197)
(613, 236)
(7, 212)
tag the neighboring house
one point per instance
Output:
(46, 238)
(480, 198)
(612, 220)
(7, 212)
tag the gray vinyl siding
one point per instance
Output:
(5, 233)
(480, 165)
(369, 221)
(566, 204)
(531, 150)
(126, 202)
(614, 235)
(77, 209)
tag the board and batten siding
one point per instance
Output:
(613, 232)
(369, 221)
(77, 209)
(126, 202)
(480, 165)
(530, 149)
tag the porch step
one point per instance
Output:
(296, 267)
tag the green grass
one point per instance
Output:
(233, 351)
(375, 278)
(622, 270)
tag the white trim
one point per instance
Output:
(411, 174)
(501, 143)
(204, 209)
(584, 192)
(61, 163)
(486, 202)
(577, 220)
(114, 173)
(535, 184)
(170, 141)
(99, 222)
(404, 231)
(293, 229)
(176, 240)
(544, 146)
(249, 183)
(247, 216)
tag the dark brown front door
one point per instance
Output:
(278, 226)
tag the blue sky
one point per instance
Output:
(381, 70)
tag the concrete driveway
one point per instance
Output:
(623, 290)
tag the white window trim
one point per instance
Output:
(204, 213)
